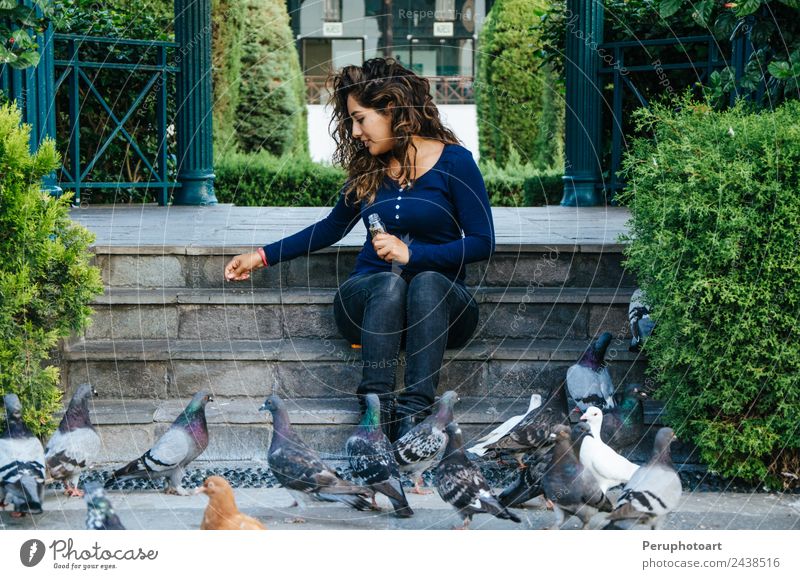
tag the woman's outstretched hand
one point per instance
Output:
(390, 248)
(239, 268)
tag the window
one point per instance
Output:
(332, 11)
(445, 10)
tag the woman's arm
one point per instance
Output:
(474, 214)
(338, 223)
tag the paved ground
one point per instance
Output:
(154, 510)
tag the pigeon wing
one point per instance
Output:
(68, 452)
(369, 461)
(421, 443)
(169, 452)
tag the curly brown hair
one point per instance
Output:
(378, 83)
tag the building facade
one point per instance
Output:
(434, 38)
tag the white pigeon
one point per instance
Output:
(609, 468)
(653, 491)
(588, 380)
(480, 448)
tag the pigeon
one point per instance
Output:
(301, 471)
(527, 483)
(75, 444)
(21, 463)
(461, 483)
(100, 515)
(422, 446)
(570, 488)
(588, 380)
(533, 432)
(653, 491)
(184, 441)
(480, 448)
(221, 513)
(641, 323)
(609, 468)
(372, 458)
(623, 426)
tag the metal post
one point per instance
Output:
(195, 149)
(584, 33)
(32, 89)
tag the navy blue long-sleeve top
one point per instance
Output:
(445, 219)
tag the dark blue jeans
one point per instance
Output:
(375, 309)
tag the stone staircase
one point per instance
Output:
(167, 326)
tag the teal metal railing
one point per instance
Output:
(76, 74)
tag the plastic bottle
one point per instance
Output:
(376, 226)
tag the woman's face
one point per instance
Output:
(370, 127)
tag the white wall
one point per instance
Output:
(462, 119)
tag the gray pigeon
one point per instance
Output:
(75, 445)
(569, 487)
(21, 463)
(419, 448)
(372, 459)
(532, 434)
(641, 323)
(461, 483)
(301, 471)
(653, 491)
(184, 441)
(527, 483)
(100, 515)
(588, 380)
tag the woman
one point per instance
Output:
(405, 166)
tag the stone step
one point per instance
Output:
(318, 368)
(513, 265)
(267, 314)
(239, 432)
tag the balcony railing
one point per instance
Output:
(445, 90)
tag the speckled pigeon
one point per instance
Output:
(75, 444)
(461, 483)
(100, 515)
(623, 426)
(588, 380)
(184, 441)
(641, 323)
(422, 446)
(372, 458)
(479, 449)
(300, 469)
(569, 487)
(21, 463)
(533, 432)
(609, 468)
(653, 491)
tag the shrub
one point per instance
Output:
(228, 24)
(272, 104)
(715, 234)
(518, 98)
(46, 282)
(261, 180)
(519, 184)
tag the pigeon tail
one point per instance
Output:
(30, 488)
(393, 490)
(355, 501)
(493, 506)
(134, 469)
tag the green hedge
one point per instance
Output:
(519, 100)
(715, 244)
(261, 180)
(271, 110)
(46, 282)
